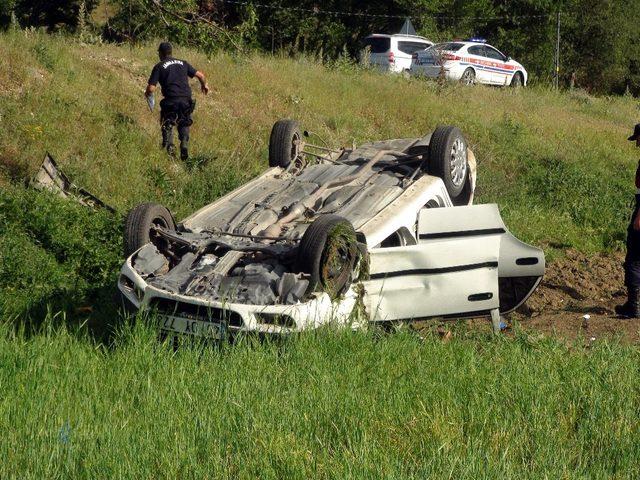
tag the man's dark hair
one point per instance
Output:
(165, 49)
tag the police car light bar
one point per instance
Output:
(478, 40)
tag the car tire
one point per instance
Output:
(138, 224)
(448, 159)
(283, 146)
(517, 81)
(328, 253)
(468, 77)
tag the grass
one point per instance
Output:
(324, 405)
(87, 393)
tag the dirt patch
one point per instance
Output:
(580, 285)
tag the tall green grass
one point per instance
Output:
(322, 405)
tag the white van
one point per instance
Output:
(393, 52)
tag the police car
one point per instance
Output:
(469, 62)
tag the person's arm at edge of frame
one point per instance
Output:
(204, 87)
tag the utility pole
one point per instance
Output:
(556, 73)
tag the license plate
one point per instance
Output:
(199, 328)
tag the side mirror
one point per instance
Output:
(508, 59)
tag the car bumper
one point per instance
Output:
(437, 71)
(318, 311)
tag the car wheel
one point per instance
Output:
(448, 159)
(517, 81)
(468, 77)
(328, 253)
(139, 223)
(284, 143)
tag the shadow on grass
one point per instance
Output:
(197, 162)
(99, 315)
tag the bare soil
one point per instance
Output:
(577, 286)
(574, 302)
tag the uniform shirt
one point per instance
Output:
(173, 75)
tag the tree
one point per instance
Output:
(51, 14)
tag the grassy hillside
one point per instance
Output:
(77, 402)
(557, 163)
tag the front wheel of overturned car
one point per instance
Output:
(139, 223)
(448, 159)
(328, 253)
(284, 143)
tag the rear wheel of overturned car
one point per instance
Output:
(328, 253)
(141, 221)
(284, 143)
(448, 159)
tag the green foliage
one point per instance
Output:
(54, 253)
(54, 15)
(187, 22)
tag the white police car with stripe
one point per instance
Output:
(469, 62)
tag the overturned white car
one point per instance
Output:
(386, 230)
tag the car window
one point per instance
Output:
(494, 54)
(477, 50)
(378, 44)
(411, 47)
(449, 47)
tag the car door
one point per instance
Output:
(501, 73)
(465, 264)
(452, 271)
(478, 61)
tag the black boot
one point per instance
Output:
(171, 150)
(630, 309)
(184, 154)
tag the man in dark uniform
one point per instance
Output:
(631, 309)
(177, 105)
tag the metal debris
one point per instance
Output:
(50, 177)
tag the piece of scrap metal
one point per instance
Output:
(50, 177)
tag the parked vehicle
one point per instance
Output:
(392, 52)
(387, 230)
(469, 62)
